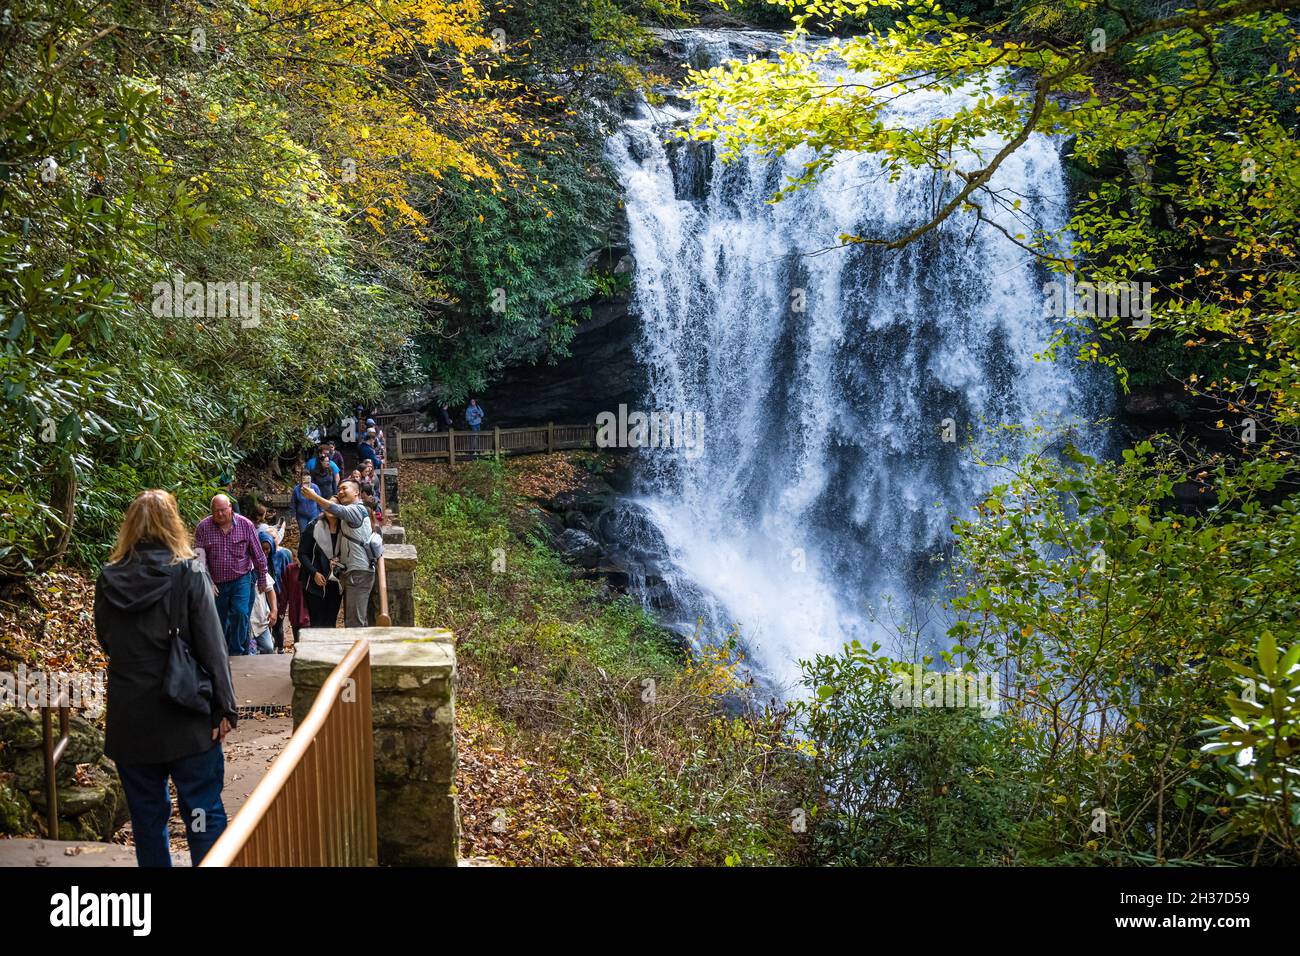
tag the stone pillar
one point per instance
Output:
(393, 534)
(399, 569)
(413, 687)
(390, 492)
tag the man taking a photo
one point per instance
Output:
(355, 569)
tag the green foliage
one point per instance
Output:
(1256, 745)
(76, 253)
(904, 786)
(534, 237)
(1115, 623)
(163, 161)
(610, 284)
(763, 14)
(224, 161)
(562, 668)
(1108, 613)
(584, 46)
(513, 262)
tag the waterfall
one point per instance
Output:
(824, 493)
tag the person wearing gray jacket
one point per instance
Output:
(355, 569)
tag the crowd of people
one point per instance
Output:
(171, 609)
(260, 586)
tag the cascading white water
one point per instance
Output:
(824, 485)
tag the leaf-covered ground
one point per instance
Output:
(519, 807)
(49, 623)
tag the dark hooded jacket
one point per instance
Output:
(132, 615)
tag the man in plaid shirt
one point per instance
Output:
(229, 544)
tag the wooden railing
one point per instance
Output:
(316, 805)
(453, 446)
(382, 618)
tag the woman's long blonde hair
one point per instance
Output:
(153, 517)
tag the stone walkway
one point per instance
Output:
(262, 680)
(250, 748)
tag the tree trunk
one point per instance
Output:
(63, 498)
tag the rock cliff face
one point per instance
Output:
(601, 371)
(609, 539)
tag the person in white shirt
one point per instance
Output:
(273, 525)
(263, 613)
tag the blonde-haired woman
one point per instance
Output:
(149, 737)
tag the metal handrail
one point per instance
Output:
(53, 752)
(316, 805)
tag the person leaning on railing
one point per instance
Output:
(149, 737)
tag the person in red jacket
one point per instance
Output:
(293, 609)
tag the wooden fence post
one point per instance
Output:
(396, 448)
(496, 442)
(451, 446)
(550, 437)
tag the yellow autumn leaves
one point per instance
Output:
(403, 90)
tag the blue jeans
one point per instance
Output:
(263, 643)
(199, 780)
(474, 426)
(234, 605)
(302, 524)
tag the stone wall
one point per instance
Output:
(413, 689)
(92, 808)
(399, 568)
